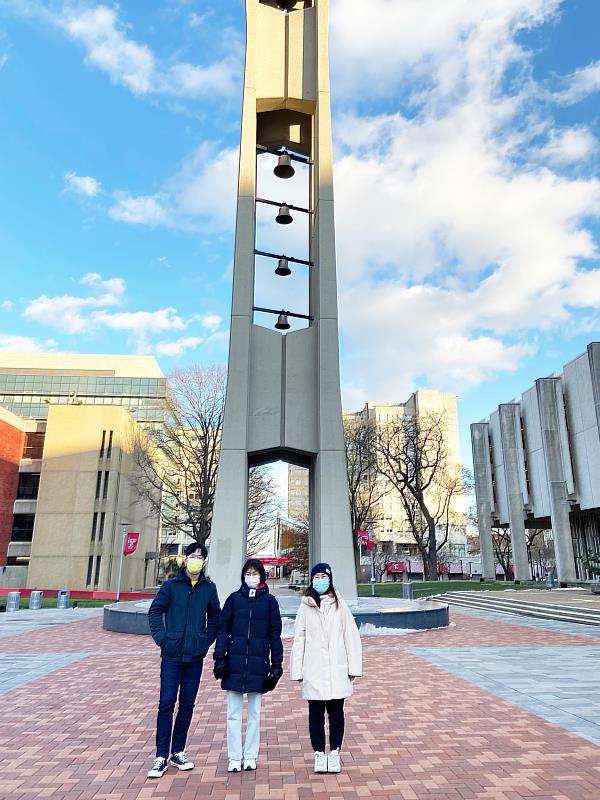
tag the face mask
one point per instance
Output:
(320, 585)
(252, 581)
(195, 565)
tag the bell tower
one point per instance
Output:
(283, 389)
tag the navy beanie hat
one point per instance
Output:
(191, 548)
(322, 567)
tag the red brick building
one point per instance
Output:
(12, 442)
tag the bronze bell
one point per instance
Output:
(282, 323)
(286, 5)
(284, 168)
(283, 268)
(284, 217)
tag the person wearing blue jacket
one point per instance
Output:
(183, 618)
(248, 659)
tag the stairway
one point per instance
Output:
(479, 600)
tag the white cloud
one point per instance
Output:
(178, 346)
(7, 305)
(211, 321)
(457, 242)
(108, 47)
(143, 210)
(83, 185)
(24, 344)
(580, 84)
(196, 20)
(568, 146)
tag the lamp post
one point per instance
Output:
(124, 526)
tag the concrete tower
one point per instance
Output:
(283, 391)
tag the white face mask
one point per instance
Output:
(252, 581)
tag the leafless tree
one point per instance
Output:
(365, 488)
(263, 504)
(381, 562)
(413, 456)
(176, 464)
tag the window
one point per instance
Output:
(98, 485)
(110, 444)
(17, 561)
(88, 580)
(103, 443)
(105, 490)
(97, 575)
(34, 445)
(101, 528)
(94, 524)
(22, 529)
(28, 486)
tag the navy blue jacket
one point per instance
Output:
(184, 618)
(249, 639)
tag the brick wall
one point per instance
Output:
(11, 448)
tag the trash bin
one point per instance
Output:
(62, 600)
(549, 580)
(407, 591)
(13, 601)
(35, 600)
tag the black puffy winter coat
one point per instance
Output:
(249, 639)
(184, 618)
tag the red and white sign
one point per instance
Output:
(366, 540)
(396, 566)
(271, 561)
(131, 543)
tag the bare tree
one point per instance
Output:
(365, 489)
(413, 456)
(176, 464)
(381, 560)
(263, 504)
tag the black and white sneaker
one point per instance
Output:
(159, 768)
(181, 761)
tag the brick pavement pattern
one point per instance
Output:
(84, 730)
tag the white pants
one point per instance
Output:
(235, 703)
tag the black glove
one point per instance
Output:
(273, 677)
(220, 668)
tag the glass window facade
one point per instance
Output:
(28, 396)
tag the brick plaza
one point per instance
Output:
(492, 708)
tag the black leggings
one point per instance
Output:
(316, 723)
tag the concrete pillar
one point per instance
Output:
(510, 429)
(480, 443)
(283, 391)
(558, 463)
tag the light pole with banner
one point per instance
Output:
(129, 543)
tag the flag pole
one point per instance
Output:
(124, 526)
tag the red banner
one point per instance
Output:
(131, 543)
(396, 566)
(366, 540)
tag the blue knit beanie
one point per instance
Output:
(322, 567)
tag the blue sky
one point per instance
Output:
(467, 186)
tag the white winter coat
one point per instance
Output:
(326, 650)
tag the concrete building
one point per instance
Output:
(389, 524)
(283, 390)
(537, 465)
(65, 462)
(298, 502)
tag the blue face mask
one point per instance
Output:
(321, 585)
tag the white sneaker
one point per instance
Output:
(159, 768)
(234, 766)
(320, 762)
(333, 761)
(249, 763)
(181, 761)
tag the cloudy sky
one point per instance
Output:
(467, 185)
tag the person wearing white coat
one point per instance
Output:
(326, 656)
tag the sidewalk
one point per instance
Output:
(483, 710)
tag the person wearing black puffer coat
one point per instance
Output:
(248, 659)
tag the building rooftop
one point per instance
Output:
(80, 364)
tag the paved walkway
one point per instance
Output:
(489, 709)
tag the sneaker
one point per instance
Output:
(181, 761)
(333, 761)
(320, 762)
(234, 766)
(159, 768)
(249, 763)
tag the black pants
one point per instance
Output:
(316, 723)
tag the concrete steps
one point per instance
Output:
(552, 611)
